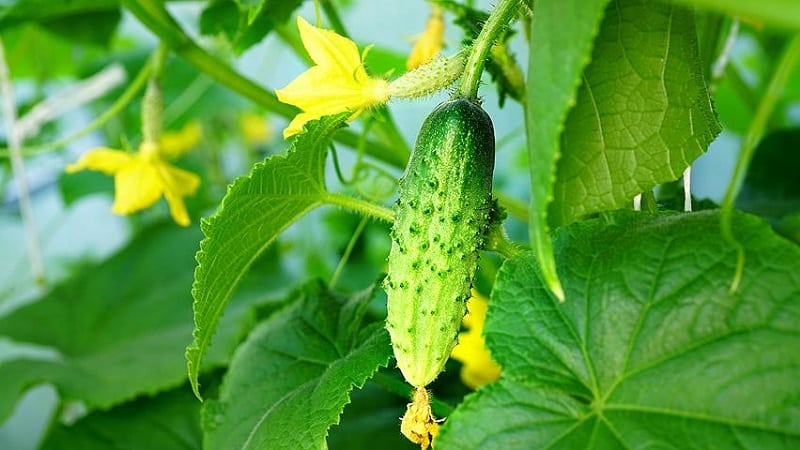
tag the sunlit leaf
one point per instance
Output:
(256, 209)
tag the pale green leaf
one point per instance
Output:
(562, 33)
(256, 209)
(119, 328)
(168, 421)
(643, 113)
(289, 382)
(650, 350)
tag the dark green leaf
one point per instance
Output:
(168, 421)
(221, 17)
(245, 22)
(75, 186)
(256, 209)
(16, 11)
(290, 381)
(650, 349)
(642, 114)
(772, 185)
(119, 327)
(371, 417)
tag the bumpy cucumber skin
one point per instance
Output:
(442, 214)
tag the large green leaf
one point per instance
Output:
(168, 421)
(256, 209)
(642, 115)
(119, 327)
(781, 13)
(650, 350)
(561, 33)
(290, 381)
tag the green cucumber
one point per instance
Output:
(442, 214)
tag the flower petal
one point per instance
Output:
(297, 124)
(328, 49)
(478, 367)
(106, 160)
(178, 183)
(174, 144)
(136, 187)
(430, 42)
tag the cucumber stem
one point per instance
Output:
(364, 207)
(505, 11)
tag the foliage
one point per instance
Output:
(612, 325)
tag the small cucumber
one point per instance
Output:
(442, 214)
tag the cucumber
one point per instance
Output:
(442, 214)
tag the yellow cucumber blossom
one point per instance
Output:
(337, 83)
(430, 42)
(479, 368)
(141, 178)
(254, 128)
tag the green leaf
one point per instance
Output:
(561, 39)
(17, 11)
(256, 209)
(772, 186)
(780, 13)
(289, 382)
(650, 350)
(75, 186)
(85, 22)
(245, 22)
(168, 421)
(642, 114)
(119, 327)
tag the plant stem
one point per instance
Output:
(788, 60)
(347, 252)
(18, 168)
(333, 17)
(151, 14)
(505, 11)
(513, 206)
(361, 206)
(403, 389)
(497, 240)
(120, 103)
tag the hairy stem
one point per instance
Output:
(360, 206)
(505, 11)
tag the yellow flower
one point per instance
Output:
(254, 128)
(429, 44)
(141, 178)
(478, 368)
(337, 83)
